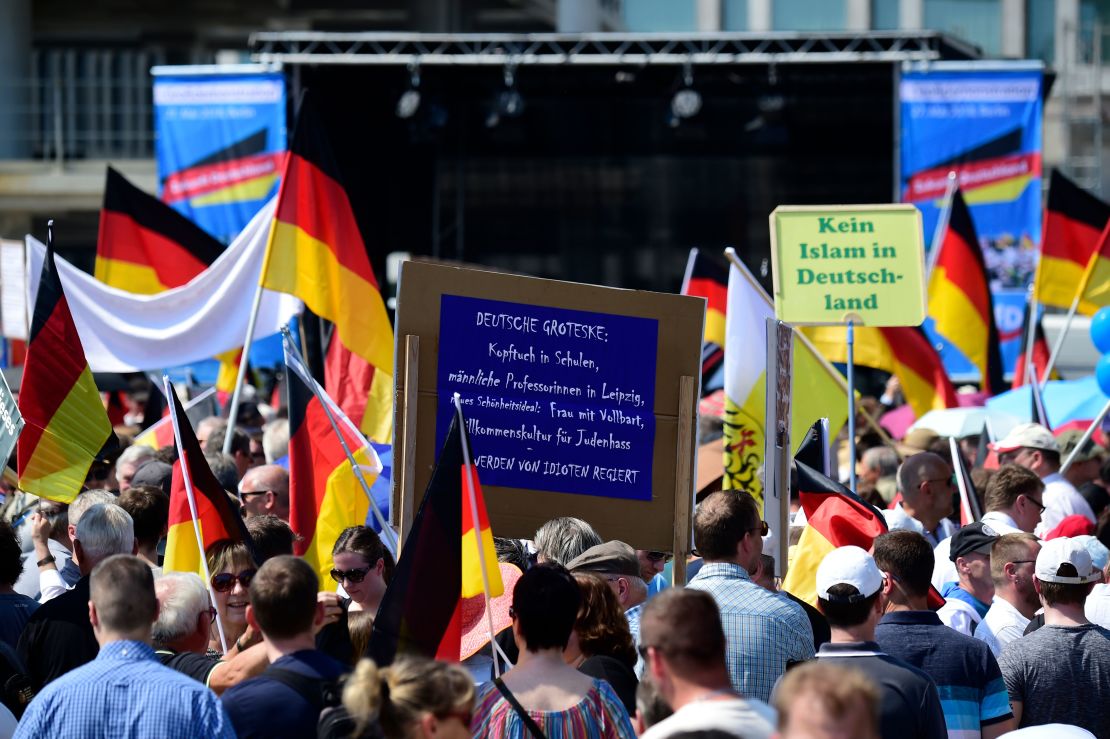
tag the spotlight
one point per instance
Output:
(686, 103)
(409, 102)
(508, 103)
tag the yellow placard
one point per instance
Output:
(832, 263)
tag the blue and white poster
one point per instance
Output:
(984, 122)
(554, 399)
(219, 145)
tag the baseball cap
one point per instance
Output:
(1027, 435)
(1100, 555)
(611, 558)
(848, 566)
(975, 537)
(1065, 551)
(1069, 440)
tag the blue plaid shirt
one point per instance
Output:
(764, 630)
(125, 693)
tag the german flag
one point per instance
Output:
(66, 423)
(228, 374)
(316, 252)
(960, 302)
(476, 531)
(1041, 352)
(419, 613)
(1095, 290)
(902, 351)
(1073, 224)
(144, 246)
(325, 497)
(217, 517)
(707, 278)
(835, 517)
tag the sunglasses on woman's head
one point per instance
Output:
(356, 575)
(225, 581)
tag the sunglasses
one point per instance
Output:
(225, 581)
(211, 613)
(244, 493)
(1035, 502)
(658, 556)
(356, 575)
(762, 528)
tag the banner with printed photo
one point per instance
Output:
(983, 121)
(220, 138)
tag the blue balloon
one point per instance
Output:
(1102, 374)
(1100, 330)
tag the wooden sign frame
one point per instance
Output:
(663, 523)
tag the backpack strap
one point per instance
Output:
(529, 723)
(310, 689)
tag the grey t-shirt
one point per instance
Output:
(1061, 674)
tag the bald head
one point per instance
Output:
(918, 469)
(265, 489)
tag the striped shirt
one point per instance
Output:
(125, 693)
(969, 682)
(600, 715)
(765, 631)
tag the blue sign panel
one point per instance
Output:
(554, 399)
(220, 142)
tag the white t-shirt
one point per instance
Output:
(1051, 731)
(1061, 500)
(745, 717)
(960, 616)
(1002, 625)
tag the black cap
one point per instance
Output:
(975, 537)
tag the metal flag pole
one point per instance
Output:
(1086, 437)
(292, 353)
(191, 496)
(233, 411)
(477, 531)
(1059, 343)
(851, 376)
(942, 224)
(1030, 334)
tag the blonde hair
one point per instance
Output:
(833, 688)
(399, 695)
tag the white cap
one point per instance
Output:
(1061, 551)
(1027, 435)
(848, 566)
(1100, 555)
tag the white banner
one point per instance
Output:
(13, 291)
(124, 332)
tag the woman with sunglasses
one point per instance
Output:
(601, 644)
(231, 568)
(362, 567)
(542, 694)
(414, 698)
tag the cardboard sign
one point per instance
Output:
(571, 394)
(554, 399)
(838, 262)
(11, 420)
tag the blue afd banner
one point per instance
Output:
(554, 399)
(219, 145)
(983, 122)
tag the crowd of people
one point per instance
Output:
(588, 639)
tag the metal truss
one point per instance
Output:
(298, 47)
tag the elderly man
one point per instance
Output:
(132, 458)
(59, 636)
(181, 633)
(53, 581)
(617, 563)
(564, 538)
(124, 691)
(1013, 505)
(1061, 673)
(926, 483)
(265, 489)
(1015, 599)
(1033, 446)
(765, 631)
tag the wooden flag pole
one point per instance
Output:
(473, 498)
(191, 496)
